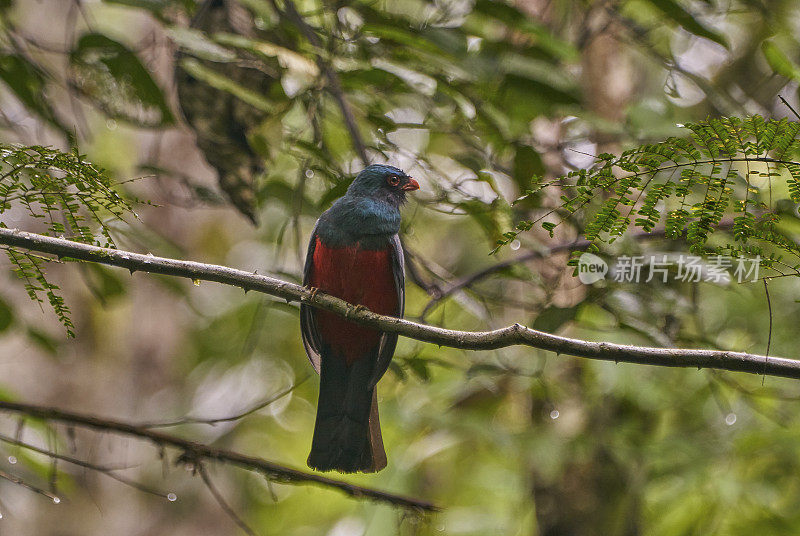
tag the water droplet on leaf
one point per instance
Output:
(56, 500)
(12, 460)
(171, 497)
(730, 419)
(554, 414)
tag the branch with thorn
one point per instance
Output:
(513, 335)
(195, 453)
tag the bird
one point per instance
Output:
(354, 254)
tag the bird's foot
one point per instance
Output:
(313, 292)
(354, 309)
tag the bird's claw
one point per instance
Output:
(312, 292)
(353, 309)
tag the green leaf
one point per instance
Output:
(43, 340)
(287, 59)
(527, 164)
(530, 98)
(223, 83)
(334, 193)
(27, 82)
(676, 12)
(112, 76)
(552, 318)
(155, 6)
(198, 44)
(105, 283)
(361, 79)
(6, 315)
(689, 183)
(512, 17)
(779, 62)
(402, 36)
(419, 367)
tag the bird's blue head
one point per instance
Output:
(384, 183)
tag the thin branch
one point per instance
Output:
(334, 83)
(222, 502)
(769, 337)
(198, 451)
(430, 288)
(513, 335)
(257, 407)
(18, 481)
(105, 470)
(572, 245)
(786, 103)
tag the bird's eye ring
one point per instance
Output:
(393, 180)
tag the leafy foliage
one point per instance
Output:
(116, 81)
(478, 97)
(73, 198)
(726, 165)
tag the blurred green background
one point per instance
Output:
(239, 122)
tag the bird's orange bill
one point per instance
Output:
(411, 185)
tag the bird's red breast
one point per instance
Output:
(359, 276)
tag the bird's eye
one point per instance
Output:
(393, 180)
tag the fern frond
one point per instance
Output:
(74, 198)
(690, 184)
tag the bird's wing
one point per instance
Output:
(308, 326)
(389, 340)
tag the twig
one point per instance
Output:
(786, 103)
(430, 288)
(222, 502)
(108, 471)
(512, 335)
(257, 407)
(198, 451)
(334, 83)
(18, 481)
(572, 245)
(769, 337)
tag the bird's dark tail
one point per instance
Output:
(347, 434)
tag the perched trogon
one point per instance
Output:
(354, 254)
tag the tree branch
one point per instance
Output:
(197, 452)
(108, 471)
(468, 340)
(467, 281)
(241, 415)
(222, 502)
(20, 482)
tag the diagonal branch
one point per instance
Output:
(20, 482)
(222, 502)
(241, 415)
(199, 452)
(334, 83)
(513, 335)
(105, 470)
(467, 281)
